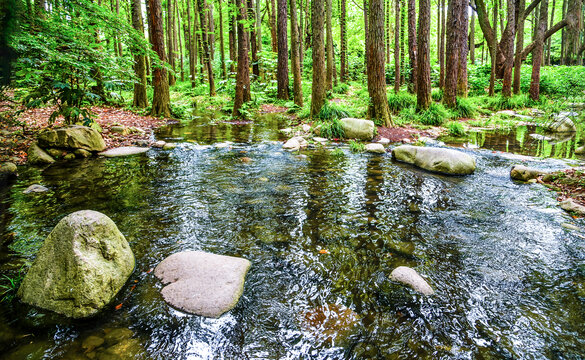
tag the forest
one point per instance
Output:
(292, 179)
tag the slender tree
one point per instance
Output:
(252, 38)
(343, 40)
(243, 75)
(202, 5)
(282, 66)
(161, 96)
(472, 34)
(537, 53)
(396, 45)
(453, 51)
(376, 65)
(221, 41)
(170, 42)
(412, 43)
(295, 55)
(464, 49)
(442, 44)
(140, 99)
(272, 23)
(232, 36)
(329, 44)
(319, 86)
(423, 91)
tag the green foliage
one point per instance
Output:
(331, 111)
(402, 100)
(9, 285)
(408, 115)
(337, 153)
(455, 128)
(465, 108)
(434, 115)
(356, 146)
(341, 88)
(331, 129)
(437, 94)
(508, 103)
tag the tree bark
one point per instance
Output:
(170, 42)
(396, 45)
(232, 39)
(453, 51)
(191, 45)
(472, 34)
(252, 37)
(282, 66)
(272, 18)
(319, 86)
(205, 45)
(221, 41)
(376, 65)
(367, 31)
(295, 55)
(343, 33)
(548, 44)
(243, 75)
(492, 44)
(140, 99)
(423, 94)
(538, 52)
(329, 44)
(507, 46)
(412, 43)
(464, 49)
(442, 46)
(211, 31)
(161, 97)
(178, 33)
(519, 45)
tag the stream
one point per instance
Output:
(322, 229)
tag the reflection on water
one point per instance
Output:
(510, 281)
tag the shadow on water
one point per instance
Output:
(322, 230)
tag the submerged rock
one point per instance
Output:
(375, 148)
(169, 146)
(571, 205)
(410, 277)
(330, 323)
(295, 143)
(73, 137)
(563, 124)
(81, 266)
(320, 139)
(445, 161)
(202, 283)
(38, 156)
(35, 188)
(159, 144)
(81, 153)
(580, 150)
(383, 141)
(358, 128)
(124, 151)
(523, 173)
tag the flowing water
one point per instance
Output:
(323, 230)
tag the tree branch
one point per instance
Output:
(530, 7)
(558, 26)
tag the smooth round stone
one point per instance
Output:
(35, 188)
(124, 151)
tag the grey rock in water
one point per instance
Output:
(295, 143)
(169, 146)
(580, 150)
(375, 148)
(38, 156)
(358, 128)
(8, 169)
(562, 124)
(124, 151)
(159, 144)
(81, 153)
(523, 173)
(202, 283)
(35, 188)
(384, 141)
(571, 205)
(320, 139)
(73, 137)
(571, 227)
(445, 161)
(410, 277)
(81, 266)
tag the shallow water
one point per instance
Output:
(509, 280)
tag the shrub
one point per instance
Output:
(455, 128)
(437, 94)
(332, 111)
(402, 100)
(331, 129)
(341, 88)
(434, 115)
(356, 146)
(465, 108)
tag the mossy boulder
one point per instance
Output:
(38, 156)
(73, 137)
(441, 160)
(524, 173)
(358, 128)
(81, 266)
(8, 170)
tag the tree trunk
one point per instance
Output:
(329, 44)
(205, 45)
(343, 33)
(191, 45)
(453, 51)
(178, 33)
(252, 37)
(376, 65)
(221, 41)
(258, 20)
(232, 39)
(161, 97)
(301, 34)
(464, 49)
(396, 45)
(472, 35)
(548, 43)
(423, 94)
(319, 86)
(295, 55)
(170, 42)
(140, 99)
(282, 67)
(519, 46)
(538, 51)
(442, 46)
(211, 31)
(243, 75)
(367, 31)
(272, 18)
(493, 44)
(412, 43)
(507, 46)
(118, 14)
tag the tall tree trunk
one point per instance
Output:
(252, 37)
(493, 46)
(118, 14)
(423, 94)
(329, 44)
(282, 67)
(376, 65)
(319, 86)
(232, 39)
(453, 51)
(343, 40)
(367, 31)
(243, 75)
(442, 46)
(191, 45)
(472, 34)
(205, 45)
(295, 55)
(396, 45)
(412, 43)
(140, 99)
(221, 42)
(464, 49)
(301, 33)
(519, 46)
(258, 20)
(161, 97)
(211, 33)
(548, 43)
(272, 19)
(538, 51)
(507, 45)
(178, 33)
(403, 33)
(170, 42)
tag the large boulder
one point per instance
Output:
(8, 170)
(358, 128)
(445, 161)
(410, 277)
(38, 156)
(202, 283)
(523, 173)
(81, 266)
(73, 137)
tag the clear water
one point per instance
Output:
(509, 279)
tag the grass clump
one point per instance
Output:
(9, 285)
(437, 94)
(331, 129)
(332, 111)
(397, 102)
(356, 146)
(455, 128)
(341, 88)
(434, 115)
(508, 103)
(465, 108)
